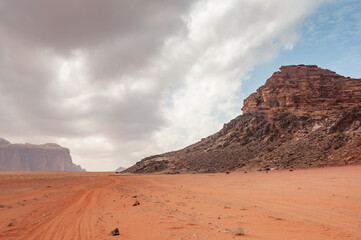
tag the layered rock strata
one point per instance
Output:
(304, 91)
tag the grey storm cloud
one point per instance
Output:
(68, 24)
(117, 80)
(117, 35)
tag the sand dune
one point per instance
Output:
(303, 204)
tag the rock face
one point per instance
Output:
(304, 91)
(304, 116)
(29, 157)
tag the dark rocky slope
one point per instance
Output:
(29, 157)
(304, 116)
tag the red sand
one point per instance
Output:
(304, 204)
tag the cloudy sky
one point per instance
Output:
(116, 81)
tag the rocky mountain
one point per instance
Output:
(303, 116)
(29, 157)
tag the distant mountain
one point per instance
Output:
(120, 169)
(304, 116)
(30, 157)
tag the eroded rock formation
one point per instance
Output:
(303, 116)
(304, 91)
(30, 157)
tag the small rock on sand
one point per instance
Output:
(11, 222)
(115, 232)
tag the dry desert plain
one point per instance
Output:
(303, 204)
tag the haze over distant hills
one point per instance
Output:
(120, 169)
(304, 116)
(30, 157)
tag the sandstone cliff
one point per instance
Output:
(304, 91)
(29, 157)
(304, 116)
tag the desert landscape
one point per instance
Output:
(319, 203)
(287, 168)
(180, 120)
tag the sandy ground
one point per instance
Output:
(303, 204)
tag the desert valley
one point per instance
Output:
(301, 204)
(180, 120)
(288, 168)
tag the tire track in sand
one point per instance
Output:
(75, 221)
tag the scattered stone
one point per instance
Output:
(135, 196)
(228, 172)
(239, 231)
(279, 218)
(115, 232)
(136, 203)
(11, 222)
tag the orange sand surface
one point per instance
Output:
(303, 204)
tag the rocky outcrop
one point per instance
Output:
(29, 157)
(304, 116)
(304, 91)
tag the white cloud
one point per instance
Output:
(222, 42)
(137, 78)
